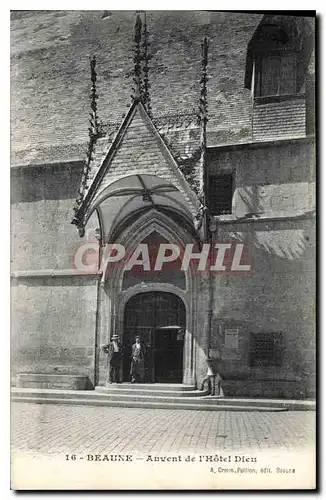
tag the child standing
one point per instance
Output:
(212, 376)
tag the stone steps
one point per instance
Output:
(152, 387)
(146, 390)
(105, 394)
(150, 404)
(145, 398)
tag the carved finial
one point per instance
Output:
(93, 96)
(80, 226)
(137, 60)
(145, 97)
(81, 231)
(93, 133)
(202, 119)
(202, 217)
(202, 115)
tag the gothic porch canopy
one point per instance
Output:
(121, 202)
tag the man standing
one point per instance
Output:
(137, 369)
(114, 352)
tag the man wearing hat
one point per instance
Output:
(114, 351)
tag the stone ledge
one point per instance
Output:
(257, 144)
(266, 217)
(284, 389)
(54, 273)
(53, 381)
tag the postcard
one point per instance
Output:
(163, 301)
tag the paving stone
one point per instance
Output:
(58, 429)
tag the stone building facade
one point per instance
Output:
(151, 171)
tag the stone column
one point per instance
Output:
(103, 331)
(188, 359)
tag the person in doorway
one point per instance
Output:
(212, 378)
(114, 352)
(137, 369)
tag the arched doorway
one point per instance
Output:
(160, 319)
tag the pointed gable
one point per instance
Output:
(137, 148)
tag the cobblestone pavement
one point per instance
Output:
(56, 429)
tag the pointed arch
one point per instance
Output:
(113, 296)
(133, 235)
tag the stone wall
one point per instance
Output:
(278, 295)
(270, 179)
(42, 199)
(53, 317)
(274, 196)
(53, 325)
(50, 76)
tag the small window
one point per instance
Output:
(276, 75)
(278, 57)
(220, 192)
(265, 349)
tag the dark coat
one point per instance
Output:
(109, 350)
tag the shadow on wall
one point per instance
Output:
(278, 296)
(250, 199)
(45, 182)
(287, 240)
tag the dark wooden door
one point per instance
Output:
(144, 315)
(168, 355)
